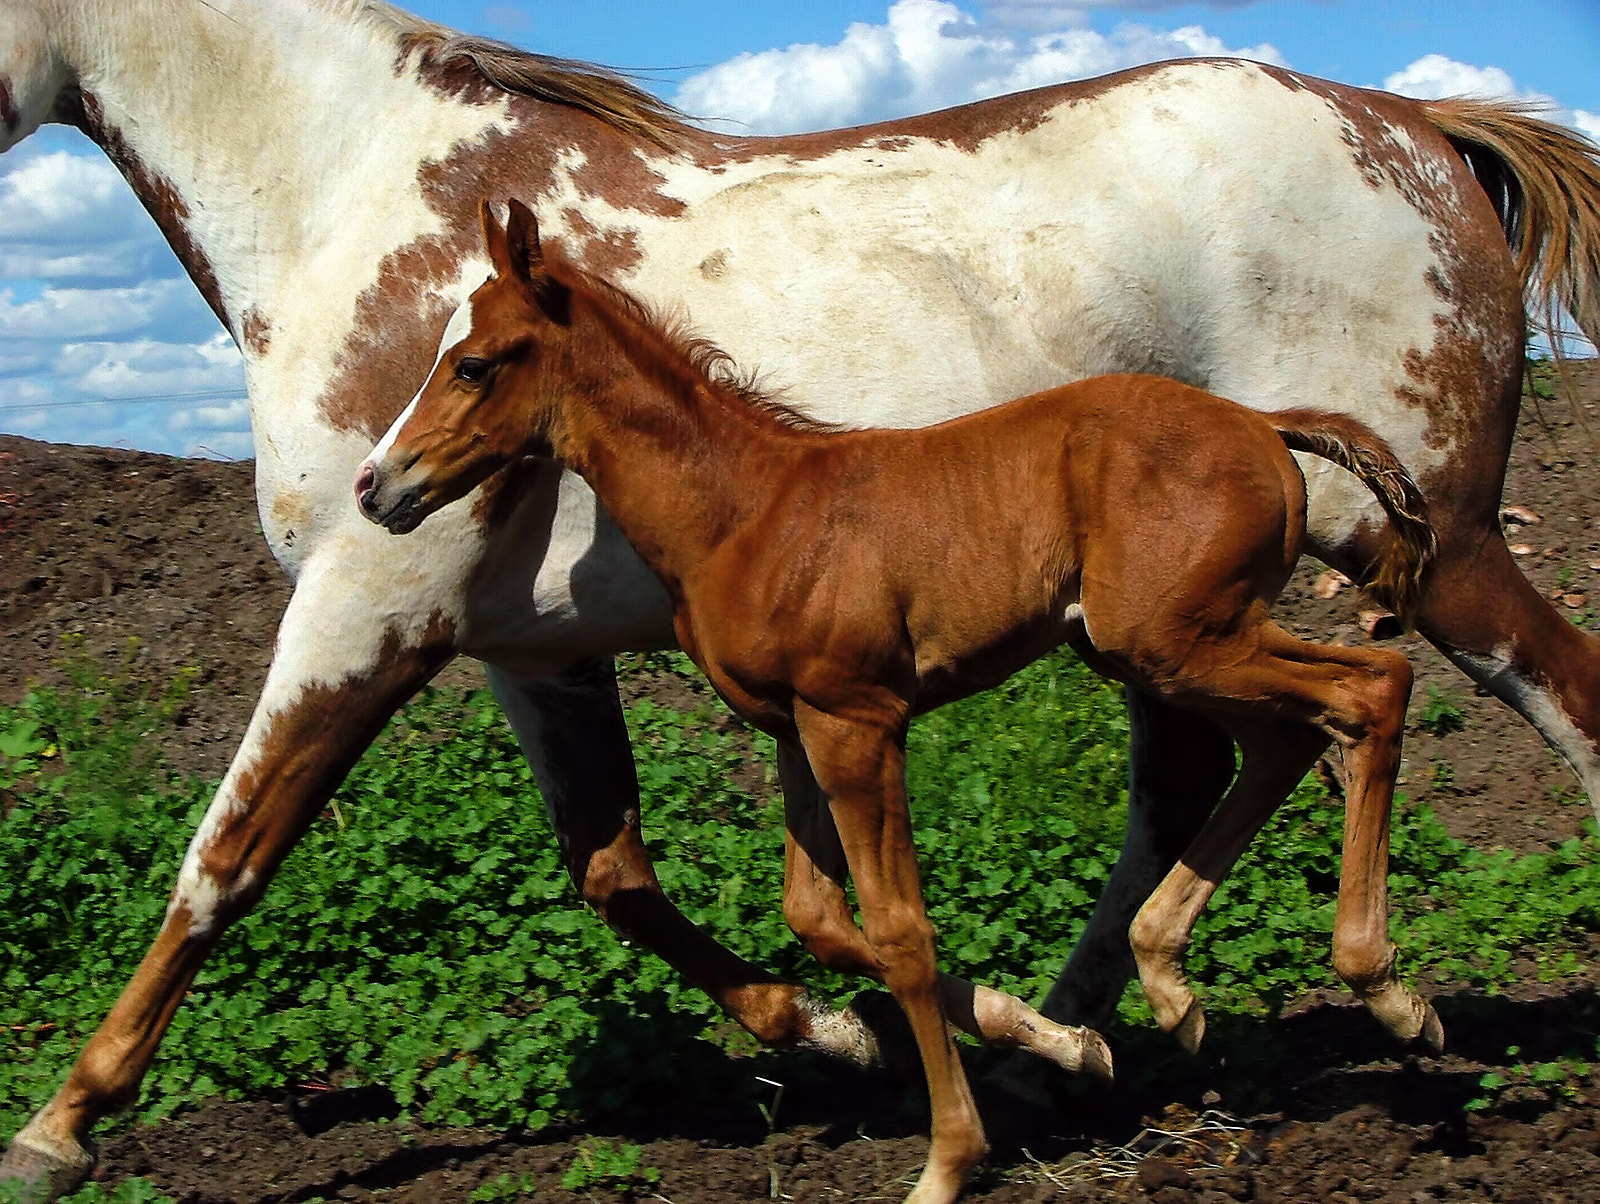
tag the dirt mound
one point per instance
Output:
(111, 545)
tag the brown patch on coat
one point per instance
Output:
(965, 127)
(255, 331)
(156, 193)
(309, 747)
(1468, 388)
(394, 338)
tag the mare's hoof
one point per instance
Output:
(1191, 1030)
(37, 1171)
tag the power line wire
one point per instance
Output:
(144, 399)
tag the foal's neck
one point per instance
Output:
(678, 458)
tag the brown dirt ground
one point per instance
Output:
(112, 545)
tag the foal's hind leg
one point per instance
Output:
(1275, 757)
(815, 906)
(1358, 697)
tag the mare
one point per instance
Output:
(1255, 231)
(833, 583)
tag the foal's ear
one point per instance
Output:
(527, 262)
(494, 238)
(522, 242)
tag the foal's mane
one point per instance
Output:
(593, 89)
(703, 357)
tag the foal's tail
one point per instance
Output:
(1409, 544)
(1544, 182)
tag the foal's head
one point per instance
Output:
(504, 366)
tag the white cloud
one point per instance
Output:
(171, 306)
(147, 368)
(66, 215)
(1434, 76)
(928, 54)
(1080, 54)
(64, 194)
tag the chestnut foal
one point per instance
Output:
(833, 583)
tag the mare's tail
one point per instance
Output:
(1409, 544)
(1544, 182)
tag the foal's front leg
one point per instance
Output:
(817, 911)
(570, 728)
(860, 766)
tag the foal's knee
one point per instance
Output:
(823, 925)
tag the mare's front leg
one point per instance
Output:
(860, 765)
(818, 912)
(1179, 765)
(571, 729)
(1275, 757)
(324, 701)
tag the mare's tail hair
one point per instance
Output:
(1544, 183)
(1395, 575)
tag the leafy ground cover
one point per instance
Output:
(424, 938)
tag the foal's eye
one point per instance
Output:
(472, 371)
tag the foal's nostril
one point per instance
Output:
(366, 478)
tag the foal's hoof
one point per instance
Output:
(1191, 1030)
(1096, 1058)
(1072, 1047)
(36, 1170)
(1433, 1031)
(1409, 1017)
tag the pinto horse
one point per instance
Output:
(1252, 230)
(833, 583)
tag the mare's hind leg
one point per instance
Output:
(570, 728)
(1179, 765)
(1275, 757)
(1482, 613)
(323, 702)
(818, 912)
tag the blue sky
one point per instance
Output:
(102, 339)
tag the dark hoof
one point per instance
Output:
(897, 1045)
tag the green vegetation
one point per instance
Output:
(1440, 715)
(425, 937)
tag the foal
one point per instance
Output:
(832, 584)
